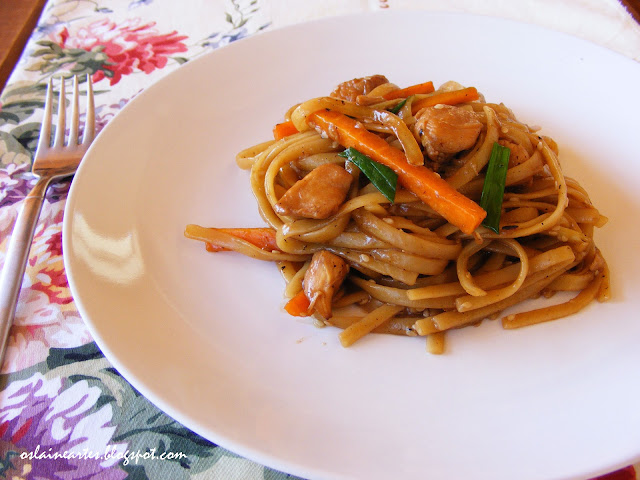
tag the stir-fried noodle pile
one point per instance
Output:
(413, 211)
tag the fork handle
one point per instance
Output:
(16, 257)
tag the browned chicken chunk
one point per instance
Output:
(318, 195)
(518, 153)
(323, 278)
(445, 130)
(358, 86)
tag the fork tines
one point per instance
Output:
(89, 127)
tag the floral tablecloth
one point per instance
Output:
(65, 412)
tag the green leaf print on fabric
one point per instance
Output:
(27, 134)
(59, 357)
(53, 57)
(12, 151)
(150, 430)
(20, 101)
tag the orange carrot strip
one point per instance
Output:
(426, 184)
(210, 247)
(453, 97)
(284, 129)
(264, 238)
(426, 87)
(299, 305)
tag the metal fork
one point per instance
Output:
(51, 162)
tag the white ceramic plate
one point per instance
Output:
(205, 337)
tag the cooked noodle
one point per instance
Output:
(408, 270)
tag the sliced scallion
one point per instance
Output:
(381, 176)
(398, 107)
(493, 188)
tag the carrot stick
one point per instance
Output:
(284, 129)
(426, 87)
(453, 97)
(264, 238)
(299, 305)
(210, 247)
(426, 184)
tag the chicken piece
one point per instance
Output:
(351, 89)
(322, 279)
(518, 153)
(445, 130)
(318, 195)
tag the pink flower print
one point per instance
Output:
(54, 243)
(54, 284)
(46, 315)
(38, 326)
(123, 48)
